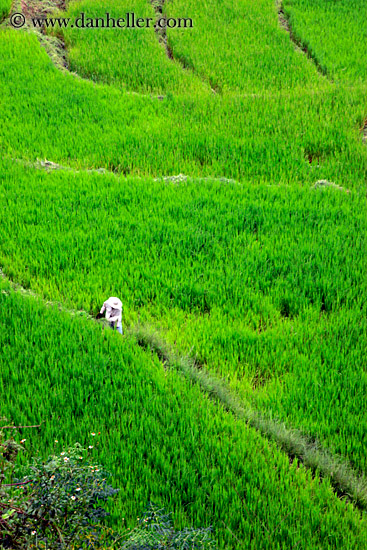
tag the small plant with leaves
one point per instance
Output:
(10, 504)
(65, 497)
(155, 531)
(56, 503)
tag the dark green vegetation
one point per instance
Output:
(161, 437)
(56, 503)
(335, 33)
(155, 530)
(60, 502)
(4, 8)
(261, 279)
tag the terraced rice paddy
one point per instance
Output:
(244, 262)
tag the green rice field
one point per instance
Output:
(214, 179)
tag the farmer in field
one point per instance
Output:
(113, 309)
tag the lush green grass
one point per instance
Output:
(231, 47)
(4, 8)
(240, 46)
(335, 33)
(262, 280)
(131, 59)
(48, 114)
(259, 282)
(258, 255)
(309, 371)
(325, 392)
(160, 436)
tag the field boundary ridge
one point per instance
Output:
(345, 480)
(161, 34)
(347, 483)
(298, 43)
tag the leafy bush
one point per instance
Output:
(156, 532)
(56, 504)
(8, 452)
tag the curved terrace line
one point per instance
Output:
(54, 45)
(56, 48)
(177, 179)
(161, 34)
(345, 480)
(4, 18)
(284, 23)
(50, 166)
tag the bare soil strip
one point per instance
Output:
(161, 33)
(297, 42)
(346, 482)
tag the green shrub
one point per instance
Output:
(155, 531)
(56, 504)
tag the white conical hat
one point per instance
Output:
(114, 302)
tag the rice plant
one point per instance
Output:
(162, 439)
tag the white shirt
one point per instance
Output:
(112, 314)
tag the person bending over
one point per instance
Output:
(113, 309)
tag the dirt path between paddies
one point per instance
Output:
(40, 9)
(297, 42)
(161, 34)
(345, 481)
(49, 166)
